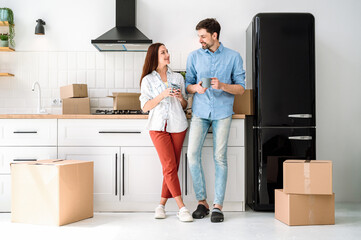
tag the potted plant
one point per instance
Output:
(6, 14)
(4, 40)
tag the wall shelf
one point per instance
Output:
(4, 23)
(6, 49)
(6, 75)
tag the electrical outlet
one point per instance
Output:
(56, 102)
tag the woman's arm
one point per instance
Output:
(152, 103)
(180, 97)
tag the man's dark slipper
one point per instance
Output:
(217, 215)
(200, 212)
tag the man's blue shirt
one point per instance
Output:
(224, 64)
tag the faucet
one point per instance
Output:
(40, 109)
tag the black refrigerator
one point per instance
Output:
(280, 63)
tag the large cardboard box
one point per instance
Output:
(74, 91)
(126, 101)
(297, 209)
(51, 192)
(243, 104)
(76, 106)
(307, 177)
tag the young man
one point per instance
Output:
(212, 106)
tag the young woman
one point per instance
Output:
(163, 94)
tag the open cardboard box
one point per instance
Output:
(126, 101)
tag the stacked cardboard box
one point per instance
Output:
(51, 192)
(75, 99)
(306, 197)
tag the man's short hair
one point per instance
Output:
(211, 25)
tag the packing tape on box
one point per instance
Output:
(306, 175)
(311, 205)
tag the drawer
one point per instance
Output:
(109, 132)
(5, 193)
(11, 154)
(28, 132)
(235, 138)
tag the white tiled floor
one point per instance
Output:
(246, 225)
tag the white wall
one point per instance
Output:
(70, 25)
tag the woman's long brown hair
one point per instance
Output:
(151, 60)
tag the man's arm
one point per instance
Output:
(191, 78)
(193, 88)
(234, 89)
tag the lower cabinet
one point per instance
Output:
(125, 178)
(141, 174)
(142, 179)
(5, 193)
(235, 192)
(14, 154)
(127, 170)
(106, 173)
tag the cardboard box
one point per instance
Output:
(51, 192)
(74, 91)
(126, 101)
(296, 209)
(76, 106)
(307, 177)
(243, 104)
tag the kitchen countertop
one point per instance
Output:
(90, 116)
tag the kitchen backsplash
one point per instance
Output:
(103, 72)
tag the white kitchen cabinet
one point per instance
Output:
(28, 132)
(5, 192)
(106, 173)
(103, 132)
(127, 171)
(234, 198)
(13, 154)
(27, 140)
(142, 179)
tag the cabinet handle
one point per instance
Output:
(120, 132)
(123, 174)
(116, 174)
(25, 132)
(186, 176)
(25, 159)
(300, 115)
(300, 138)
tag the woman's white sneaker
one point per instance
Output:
(184, 215)
(159, 212)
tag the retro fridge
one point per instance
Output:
(280, 64)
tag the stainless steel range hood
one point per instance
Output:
(124, 36)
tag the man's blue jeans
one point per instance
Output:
(197, 134)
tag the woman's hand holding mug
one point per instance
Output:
(167, 92)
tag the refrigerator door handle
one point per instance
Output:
(300, 138)
(300, 116)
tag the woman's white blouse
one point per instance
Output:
(169, 111)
